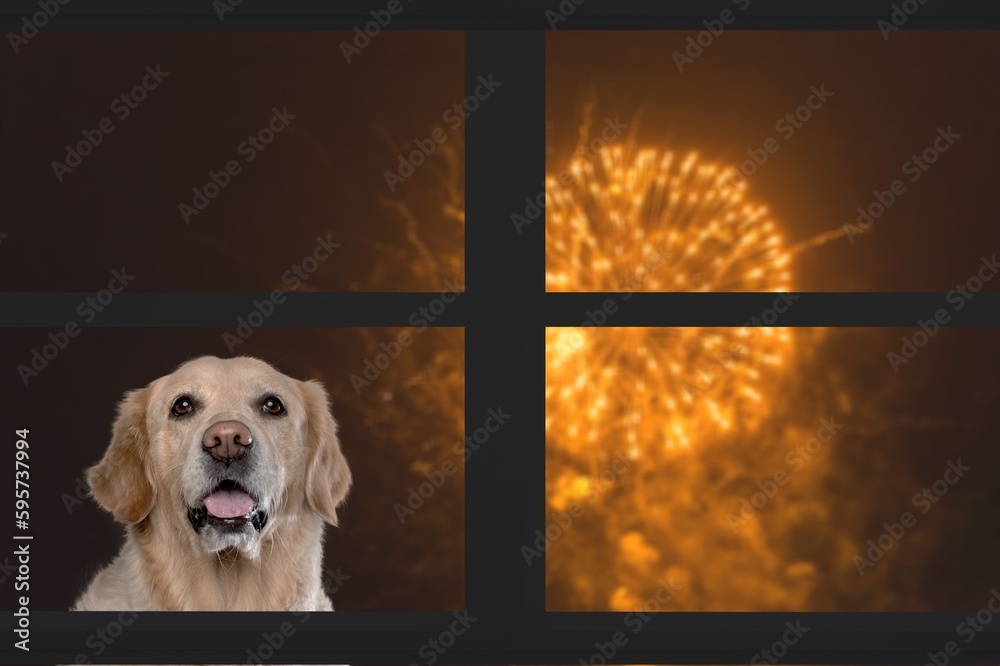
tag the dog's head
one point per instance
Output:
(230, 450)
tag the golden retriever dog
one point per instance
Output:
(223, 473)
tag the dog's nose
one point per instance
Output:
(227, 441)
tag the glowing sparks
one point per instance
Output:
(651, 220)
(703, 412)
(429, 244)
(657, 222)
(636, 389)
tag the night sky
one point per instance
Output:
(323, 174)
(889, 99)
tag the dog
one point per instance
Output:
(224, 474)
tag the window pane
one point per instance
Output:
(770, 160)
(771, 469)
(235, 161)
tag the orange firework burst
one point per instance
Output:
(620, 214)
(662, 387)
(702, 412)
(656, 222)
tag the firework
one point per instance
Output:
(656, 222)
(703, 412)
(429, 214)
(668, 388)
(612, 216)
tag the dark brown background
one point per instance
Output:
(324, 174)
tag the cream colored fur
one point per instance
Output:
(155, 468)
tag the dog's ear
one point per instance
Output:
(121, 482)
(328, 478)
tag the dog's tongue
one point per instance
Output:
(229, 503)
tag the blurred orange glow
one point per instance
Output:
(668, 388)
(675, 400)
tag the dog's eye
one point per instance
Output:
(183, 405)
(272, 406)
